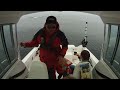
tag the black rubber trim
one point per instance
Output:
(18, 74)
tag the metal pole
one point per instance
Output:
(86, 31)
(84, 42)
(18, 50)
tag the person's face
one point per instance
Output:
(50, 27)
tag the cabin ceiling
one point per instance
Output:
(105, 13)
(14, 16)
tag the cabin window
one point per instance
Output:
(4, 62)
(9, 40)
(106, 38)
(116, 61)
(112, 47)
(112, 37)
(8, 53)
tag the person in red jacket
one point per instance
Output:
(53, 45)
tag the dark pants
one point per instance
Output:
(72, 67)
(63, 74)
(51, 73)
(60, 75)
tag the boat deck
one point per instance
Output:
(38, 69)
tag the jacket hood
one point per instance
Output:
(52, 32)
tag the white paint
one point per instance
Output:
(30, 57)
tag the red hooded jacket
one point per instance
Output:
(50, 56)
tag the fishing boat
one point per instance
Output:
(30, 67)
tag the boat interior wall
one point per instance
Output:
(14, 16)
(102, 71)
(107, 16)
(110, 20)
(105, 13)
(93, 12)
(17, 71)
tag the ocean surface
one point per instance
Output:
(71, 23)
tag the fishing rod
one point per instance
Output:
(84, 41)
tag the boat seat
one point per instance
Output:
(38, 70)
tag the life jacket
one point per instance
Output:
(85, 72)
(48, 46)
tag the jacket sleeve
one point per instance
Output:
(35, 41)
(64, 43)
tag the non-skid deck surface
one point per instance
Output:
(38, 70)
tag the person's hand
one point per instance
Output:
(61, 61)
(22, 44)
